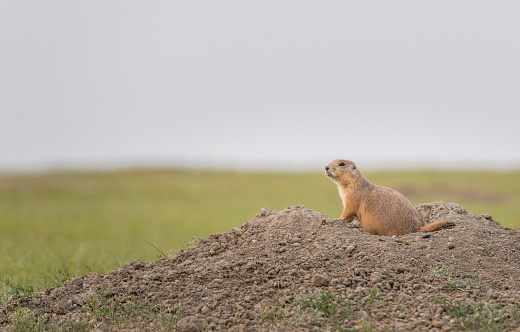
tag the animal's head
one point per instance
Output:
(342, 171)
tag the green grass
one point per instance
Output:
(323, 309)
(58, 225)
(102, 313)
(466, 284)
(478, 316)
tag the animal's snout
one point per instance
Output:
(327, 167)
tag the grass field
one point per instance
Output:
(57, 225)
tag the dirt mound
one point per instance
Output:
(297, 269)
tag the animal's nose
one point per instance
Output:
(327, 167)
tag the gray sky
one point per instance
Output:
(294, 83)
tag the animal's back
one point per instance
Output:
(387, 212)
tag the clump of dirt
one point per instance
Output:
(296, 270)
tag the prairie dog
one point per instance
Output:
(380, 210)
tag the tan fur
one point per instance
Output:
(380, 210)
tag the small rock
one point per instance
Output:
(451, 239)
(189, 324)
(492, 294)
(457, 208)
(437, 324)
(350, 249)
(263, 212)
(250, 267)
(137, 264)
(451, 246)
(380, 315)
(205, 310)
(401, 269)
(404, 297)
(319, 280)
(487, 216)
(375, 277)
(77, 282)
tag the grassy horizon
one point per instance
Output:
(59, 224)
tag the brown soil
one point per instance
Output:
(296, 270)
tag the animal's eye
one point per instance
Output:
(341, 164)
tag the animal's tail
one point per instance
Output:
(438, 225)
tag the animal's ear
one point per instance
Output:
(353, 167)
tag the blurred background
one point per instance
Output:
(127, 128)
(288, 84)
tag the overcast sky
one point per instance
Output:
(254, 83)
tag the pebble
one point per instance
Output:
(189, 324)
(319, 280)
(492, 294)
(350, 249)
(401, 269)
(263, 212)
(403, 297)
(358, 271)
(376, 277)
